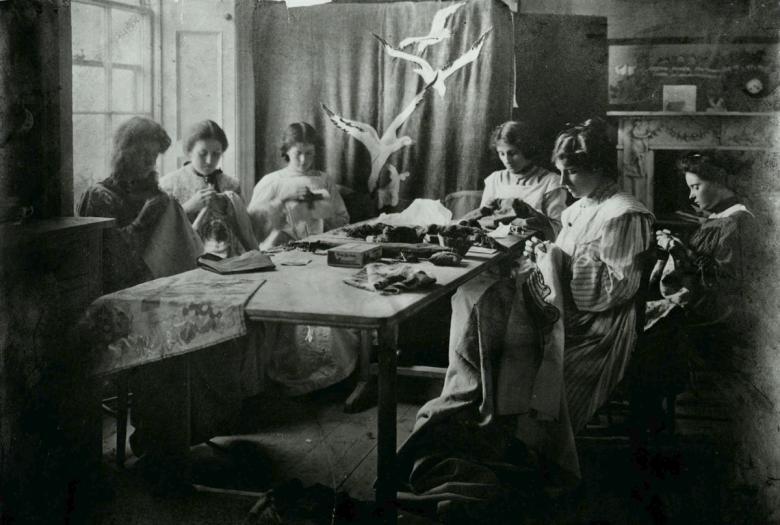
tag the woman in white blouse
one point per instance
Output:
(540, 189)
(290, 204)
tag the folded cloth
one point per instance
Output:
(390, 279)
(251, 261)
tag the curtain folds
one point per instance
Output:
(326, 54)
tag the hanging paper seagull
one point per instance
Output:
(427, 72)
(380, 149)
(388, 195)
(437, 33)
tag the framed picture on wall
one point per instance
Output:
(679, 98)
(723, 73)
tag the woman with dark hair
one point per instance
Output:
(290, 204)
(704, 276)
(605, 239)
(516, 147)
(504, 394)
(297, 200)
(211, 198)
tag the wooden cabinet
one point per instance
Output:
(49, 273)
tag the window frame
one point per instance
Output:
(148, 80)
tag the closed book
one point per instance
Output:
(251, 261)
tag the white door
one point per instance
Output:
(198, 50)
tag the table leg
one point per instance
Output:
(386, 485)
(253, 340)
(122, 407)
(363, 395)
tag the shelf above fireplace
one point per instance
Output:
(693, 113)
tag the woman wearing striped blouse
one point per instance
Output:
(486, 408)
(604, 238)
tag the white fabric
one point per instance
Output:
(273, 208)
(729, 211)
(184, 183)
(421, 212)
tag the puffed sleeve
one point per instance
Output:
(489, 193)
(266, 207)
(339, 215)
(607, 273)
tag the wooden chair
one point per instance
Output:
(462, 202)
(118, 406)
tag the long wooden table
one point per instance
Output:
(315, 294)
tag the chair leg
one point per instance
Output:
(122, 400)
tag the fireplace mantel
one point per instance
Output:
(640, 133)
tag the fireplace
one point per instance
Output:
(650, 142)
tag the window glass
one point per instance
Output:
(89, 152)
(124, 90)
(89, 88)
(107, 39)
(87, 27)
(127, 28)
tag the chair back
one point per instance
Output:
(462, 202)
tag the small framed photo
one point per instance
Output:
(679, 98)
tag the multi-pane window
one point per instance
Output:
(112, 44)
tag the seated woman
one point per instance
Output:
(539, 198)
(503, 399)
(153, 238)
(146, 217)
(699, 285)
(210, 198)
(704, 277)
(297, 200)
(522, 180)
(287, 205)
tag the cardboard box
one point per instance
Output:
(354, 255)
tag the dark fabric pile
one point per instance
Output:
(386, 233)
(292, 503)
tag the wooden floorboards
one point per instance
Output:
(313, 440)
(309, 438)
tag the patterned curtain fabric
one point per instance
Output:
(326, 54)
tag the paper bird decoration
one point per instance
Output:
(380, 149)
(427, 72)
(437, 33)
(388, 194)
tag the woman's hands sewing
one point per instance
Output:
(199, 200)
(152, 210)
(527, 217)
(535, 247)
(666, 241)
(301, 194)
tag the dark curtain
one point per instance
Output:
(326, 54)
